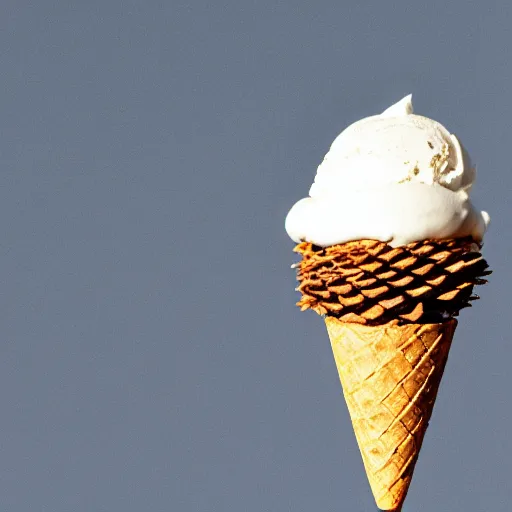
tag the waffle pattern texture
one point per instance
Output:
(390, 376)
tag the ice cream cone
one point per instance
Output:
(389, 314)
(391, 251)
(390, 375)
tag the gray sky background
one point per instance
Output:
(152, 357)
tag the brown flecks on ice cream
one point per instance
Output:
(369, 282)
(439, 161)
(413, 172)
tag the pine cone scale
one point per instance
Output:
(374, 283)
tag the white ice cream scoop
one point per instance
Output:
(395, 177)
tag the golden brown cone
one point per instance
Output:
(390, 375)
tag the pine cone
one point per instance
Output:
(370, 282)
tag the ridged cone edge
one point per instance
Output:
(390, 376)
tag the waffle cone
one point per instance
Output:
(390, 375)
